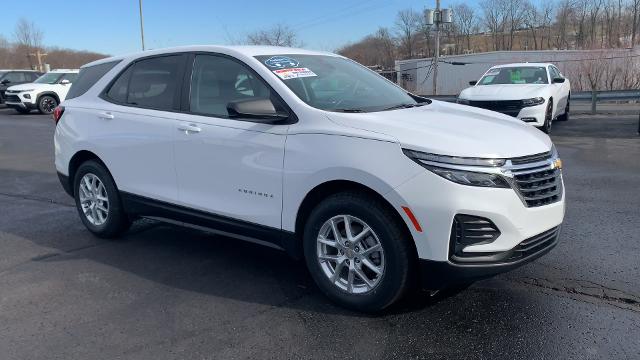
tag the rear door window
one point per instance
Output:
(150, 83)
(88, 77)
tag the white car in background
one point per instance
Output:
(44, 94)
(536, 93)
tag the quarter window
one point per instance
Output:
(150, 83)
(88, 77)
(217, 81)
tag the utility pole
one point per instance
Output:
(39, 55)
(436, 54)
(436, 18)
(141, 24)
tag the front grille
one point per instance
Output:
(509, 107)
(534, 244)
(536, 180)
(12, 98)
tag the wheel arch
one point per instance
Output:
(328, 188)
(78, 159)
(50, 93)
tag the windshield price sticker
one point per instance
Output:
(294, 73)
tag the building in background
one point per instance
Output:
(602, 69)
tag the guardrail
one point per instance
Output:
(593, 96)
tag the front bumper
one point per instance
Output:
(441, 274)
(18, 100)
(533, 115)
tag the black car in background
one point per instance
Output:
(15, 77)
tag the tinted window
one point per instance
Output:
(151, 83)
(48, 78)
(335, 84)
(515, 75)
(69, 76)
(88, 77)
(216, 81)
(16, 77)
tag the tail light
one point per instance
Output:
(57, 114)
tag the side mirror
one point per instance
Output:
(473, 83)
(5, 81)
(558, 80)
(65, 82)
(259, 110)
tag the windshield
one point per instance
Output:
(2, 74)
(48, 78)
(515, 75)
(336, 84)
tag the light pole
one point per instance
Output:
(435, 18)
(141, 24)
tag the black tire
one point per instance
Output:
(117, 221)
(46, 104)
(565, 116)
(548, 118)
(22, 110)
(399, 254)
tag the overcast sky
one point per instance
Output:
(112, 26)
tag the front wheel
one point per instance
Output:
(98, 202)
(565, 116)
(358, 253)
(46, 104)
(548, 118)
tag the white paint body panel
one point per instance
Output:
(148, 155)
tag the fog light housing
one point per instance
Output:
(27, 96)
(529, 119)
(469, 230)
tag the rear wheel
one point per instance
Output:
(548, 118)
(357, 252)
(46, 104)
(98, 202)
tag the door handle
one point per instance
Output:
(189, 128)
(106, 115)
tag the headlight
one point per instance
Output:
(533, 102)
(471, 178)
(453, 160)
(23, 91)
(462, 101)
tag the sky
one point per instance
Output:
(112, 26)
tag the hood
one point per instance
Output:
(23, 87)
(502, 92)
(451, 129)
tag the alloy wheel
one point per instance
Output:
(94, 199)
(350, 254)
(48, 104)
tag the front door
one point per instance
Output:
(226, 166)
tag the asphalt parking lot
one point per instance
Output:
(165, 292)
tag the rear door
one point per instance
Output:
(226, 166)
(135, 120)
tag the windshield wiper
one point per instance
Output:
(349, 110)
(403, 106)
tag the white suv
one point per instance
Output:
(377, 189)
(44, 94)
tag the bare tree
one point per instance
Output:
(278, 35)
(407, 24)
(28, 38)
(466, 21)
